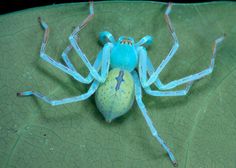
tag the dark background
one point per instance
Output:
(7, 6)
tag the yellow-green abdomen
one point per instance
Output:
(116, 95)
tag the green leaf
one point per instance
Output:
(200, 128)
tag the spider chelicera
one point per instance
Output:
(113, 76)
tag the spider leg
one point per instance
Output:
(173, 50)
(144, 65)
(96, 65)
(105, 37)
(138, 95)
(146, 40)
(56, 64)
(84, 96)
(105, 60)
(189, 78)
(71, 70)
(155, 73)
(182, 92)
(66, 59)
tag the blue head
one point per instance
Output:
(124, 54)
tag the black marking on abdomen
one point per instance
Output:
(119, 79)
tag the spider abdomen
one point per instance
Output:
(115, 97)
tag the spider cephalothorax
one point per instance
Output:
(124, 54)
(120, 72)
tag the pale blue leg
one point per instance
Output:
(106, 58)
(173, 50)
(146, 40)
(84, 96)
(182, 92)
(144, 65)
(56, 64)
(155, 73)
(97, 63)
(105, 37)
(66, 59)
(189, 78)
(138, 95)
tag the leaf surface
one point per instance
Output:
(200, 128)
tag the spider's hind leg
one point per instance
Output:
(138, 95)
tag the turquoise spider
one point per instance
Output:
(118, 82)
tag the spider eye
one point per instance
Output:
(126, 41)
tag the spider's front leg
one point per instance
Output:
(56, 64)
(102, 58)
(154, 75)
(188, 79)
(105, 59)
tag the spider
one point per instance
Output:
(120, 72)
